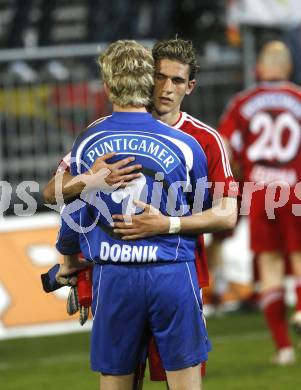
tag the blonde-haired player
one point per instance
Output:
(149, 283)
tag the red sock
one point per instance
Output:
(275, 314)
(298, 294)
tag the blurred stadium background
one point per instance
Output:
(49, 91)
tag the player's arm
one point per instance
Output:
(56, 190)
(102, 175)
(222, 216)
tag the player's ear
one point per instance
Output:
(190, 86)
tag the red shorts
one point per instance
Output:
(280, 234)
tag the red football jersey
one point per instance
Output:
(219, 171)
(263, 126)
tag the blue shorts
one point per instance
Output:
(131, 300)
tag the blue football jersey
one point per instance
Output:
(173, 179)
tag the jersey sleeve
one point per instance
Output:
(68, 242)
(64, 164)
(220, 175)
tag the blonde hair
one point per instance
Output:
(128, 70)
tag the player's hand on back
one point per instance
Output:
(108, 177)
(151, 222)
(120, 173)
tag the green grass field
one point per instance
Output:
(239, 360)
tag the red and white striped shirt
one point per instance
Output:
(219, 170)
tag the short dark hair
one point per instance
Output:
(179, 50)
